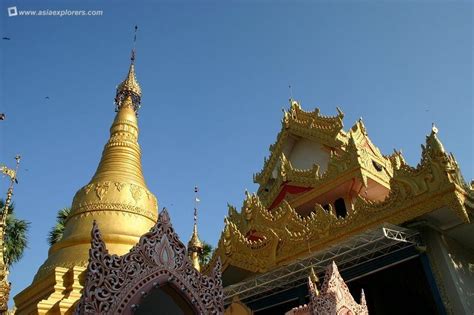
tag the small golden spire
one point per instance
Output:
(315, 280)
(195, 245)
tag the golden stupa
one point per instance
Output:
(117, 198)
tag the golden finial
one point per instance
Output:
(129, 87)
(433, 141)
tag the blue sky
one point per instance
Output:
(215, 77)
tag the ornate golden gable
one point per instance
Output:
(353, 153)
(310, 125)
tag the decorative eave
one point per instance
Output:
(310, 125)
(435, 183)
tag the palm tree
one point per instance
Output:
(15, 239)
(206, 254)
(56, 232)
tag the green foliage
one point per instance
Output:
(56, 232)
(206, 254)
(16, 240)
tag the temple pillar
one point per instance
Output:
(453, 267)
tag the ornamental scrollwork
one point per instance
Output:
(119, 186)
(117, 284)
(136, 192)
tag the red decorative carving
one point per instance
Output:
(117, 284)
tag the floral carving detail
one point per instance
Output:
(119, 186)
(88, 188)
(136, 192)
(101, 189)
(116, 284)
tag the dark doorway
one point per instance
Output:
(340, 206)
(400, 289)
(164, 300)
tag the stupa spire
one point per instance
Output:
(116, 197)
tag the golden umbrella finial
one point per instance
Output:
(129, 88)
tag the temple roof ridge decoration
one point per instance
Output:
(159, 258)
(258, 239)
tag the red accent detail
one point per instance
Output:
(287, 189)
(251, 236)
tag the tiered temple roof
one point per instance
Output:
(265, 235)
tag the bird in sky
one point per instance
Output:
(2, 116)
(6, 38)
